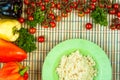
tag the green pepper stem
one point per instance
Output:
(22, 72)
(14, 29)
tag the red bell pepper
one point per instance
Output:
(13, 71)
(10, 52)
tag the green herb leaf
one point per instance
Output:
(39, 17)
(99, 15)
(26, 40)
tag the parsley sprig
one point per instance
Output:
(26, 41)
(99, 16)
(39, 17)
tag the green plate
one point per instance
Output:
(86, 48)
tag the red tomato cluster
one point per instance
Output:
(64, 7)
(115, 24)
(115, 10)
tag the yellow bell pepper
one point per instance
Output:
(9, 29)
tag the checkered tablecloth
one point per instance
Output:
(70, 28)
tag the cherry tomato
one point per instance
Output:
(92, 6)
(41, 39)
(118, 26)
(46, 0)
(64, 14)
(32, 30)
(26, 2)
(51, 12)
(52, 24)
(73, 4)
(52, 5)
(79, 8)
(81, 14)
(28, 11)
(42, 7)
(113, 26)
(109, 6)
(88, 26)
(51, 16)
(32, 4)
(30, 18)
(45, 26)
(39, 3)
(112, 11)
(26, 76)
(116, 6)
(58, 6)
(68, 9)
(65, 1)
(118, 14)
(21, 20)
(101, 5)
(116, 21)
(93, 1)
(81, 2)
(58, 18)
(86, 10)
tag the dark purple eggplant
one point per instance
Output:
(11, 8)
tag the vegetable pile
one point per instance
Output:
(53, 11)
(11, 54)
(16, 41)
(47, 12)
(13, 71)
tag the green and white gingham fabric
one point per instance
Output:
(70, 28)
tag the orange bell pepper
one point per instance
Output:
(10, 52)
(13, 71)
